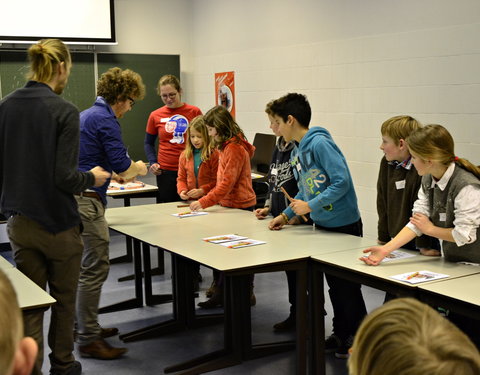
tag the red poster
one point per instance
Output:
(225, 91)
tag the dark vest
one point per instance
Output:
(442, 213)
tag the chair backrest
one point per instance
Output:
(264, 146)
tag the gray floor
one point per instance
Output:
(151, 356)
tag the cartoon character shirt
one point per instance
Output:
(170, 126)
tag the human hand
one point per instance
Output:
(261, 213)
(294, 220)
(183, 195)
(377, 253)
(195, 193)
(300, 207)
(101, 176)
(141, 168)
(195, 206)
(155, 169)
(430, 252)
(422, 222)
(277, 223)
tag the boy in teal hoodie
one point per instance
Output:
(326, 192)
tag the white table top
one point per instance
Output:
(155, 225)
(29, 294)
(5, 263)
(464, 289)
(350, 260)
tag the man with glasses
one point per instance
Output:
(101, 144)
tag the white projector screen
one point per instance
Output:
(73, 21)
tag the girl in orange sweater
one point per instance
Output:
(197, 167)
(234, 180)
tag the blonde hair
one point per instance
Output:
(219, 118)
(45, 56)
(407, 337)
(199, 125)
(117, 85)
(434, 142)
(11, 322)
(168, 79)
(399, 127)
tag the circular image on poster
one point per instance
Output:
(225, 97)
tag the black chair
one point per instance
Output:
(264, 146)
(260, 164)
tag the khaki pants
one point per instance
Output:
(94, 268)
(52, 259)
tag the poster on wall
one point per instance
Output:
(225, 90)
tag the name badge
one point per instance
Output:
(165, 119)
(442, 216)
(400, 184)
(274, 171)
(299, 167)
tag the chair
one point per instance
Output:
(264, 146)
(260, 164)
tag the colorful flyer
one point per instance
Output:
(242, 243)
(225, 91)
(419, 276)
(190, 214)
(224, 238)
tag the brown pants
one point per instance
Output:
(52, 259)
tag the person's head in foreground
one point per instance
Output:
(407, 337)
(17, 353)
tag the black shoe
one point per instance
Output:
(288, 324)
(212, 303)
(343, 351)
(75, 369)
(333, 343)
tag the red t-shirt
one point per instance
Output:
(170, 125)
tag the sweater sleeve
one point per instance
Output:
(211, 166)
(233, 159)
(182, 174)
(67, 176)
(382, 227)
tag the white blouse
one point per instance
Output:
(466, 212)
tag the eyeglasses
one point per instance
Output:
(172, 95)
(132, 102)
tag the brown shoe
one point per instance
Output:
(211, 290)
(101, 349)
(108, 332)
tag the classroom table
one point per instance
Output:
(460, 294)
(146, 191)
(346, 265)
(30, 295)
(5, 263)
(288, 249)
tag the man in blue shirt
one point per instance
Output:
(101, 144)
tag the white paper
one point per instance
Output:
(242, 243)
(190, 214)
(224, 238)
(417, 277)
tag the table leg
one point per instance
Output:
(138, 300)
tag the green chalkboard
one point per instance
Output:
(80, 89)
(151, 68)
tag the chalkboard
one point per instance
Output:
(151, 68)
(80, 89)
